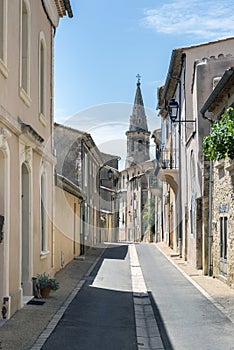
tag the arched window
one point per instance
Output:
(123, 182)
(42, 74)
(140, 143)
(25, 47)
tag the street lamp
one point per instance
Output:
(173, 108)
(110, 174)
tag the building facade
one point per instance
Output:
(26, 147)
(221, 188)
(95, 173)
(193, 73)
(67, 221)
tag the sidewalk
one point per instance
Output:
(23, 329)
(217, 291)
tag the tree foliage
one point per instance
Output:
(220, 143)
(149, 215)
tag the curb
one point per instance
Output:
(147, 332)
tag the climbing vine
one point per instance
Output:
(220, 143)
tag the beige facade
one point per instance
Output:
(68, 198)
(80, 161)
(193, 73)
(26, 149)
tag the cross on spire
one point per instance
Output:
(138, 78)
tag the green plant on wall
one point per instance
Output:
(220, 143)
(149, 215)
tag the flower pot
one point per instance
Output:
(45, 292)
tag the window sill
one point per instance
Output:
(42, 119)
(3, 69)
(44, 254)
(25, 97)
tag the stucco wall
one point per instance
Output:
(67, 228)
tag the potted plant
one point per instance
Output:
(47, 284)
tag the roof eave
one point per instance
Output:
(229, 73)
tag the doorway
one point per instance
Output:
(2, 212)
(26, 278)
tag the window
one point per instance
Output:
(42, 75)
(25, 52)
(3, 38)
(223, 237)
(132, 146)
(139, 145)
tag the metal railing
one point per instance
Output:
(169, 159)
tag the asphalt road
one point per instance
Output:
(186, 319)
(101, 317)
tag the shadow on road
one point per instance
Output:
(161, 326)
(101, 316)
(118, 251)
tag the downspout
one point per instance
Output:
(82, 233)
(210, 266)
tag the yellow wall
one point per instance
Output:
(66, 228)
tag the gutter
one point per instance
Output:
(68, 8)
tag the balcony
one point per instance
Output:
(169, 168)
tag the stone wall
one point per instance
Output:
(223, 206)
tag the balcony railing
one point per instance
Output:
(169, 160)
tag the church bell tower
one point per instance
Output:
(138, 134)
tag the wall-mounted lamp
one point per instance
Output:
(110, 174)
(173, 110)
(1, 227)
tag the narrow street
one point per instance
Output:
(102, 314)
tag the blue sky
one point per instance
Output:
(100, 51)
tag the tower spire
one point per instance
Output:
(138, 134)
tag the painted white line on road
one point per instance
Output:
(201, 290)
(148, 336)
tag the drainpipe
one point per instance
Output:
(210, 266)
